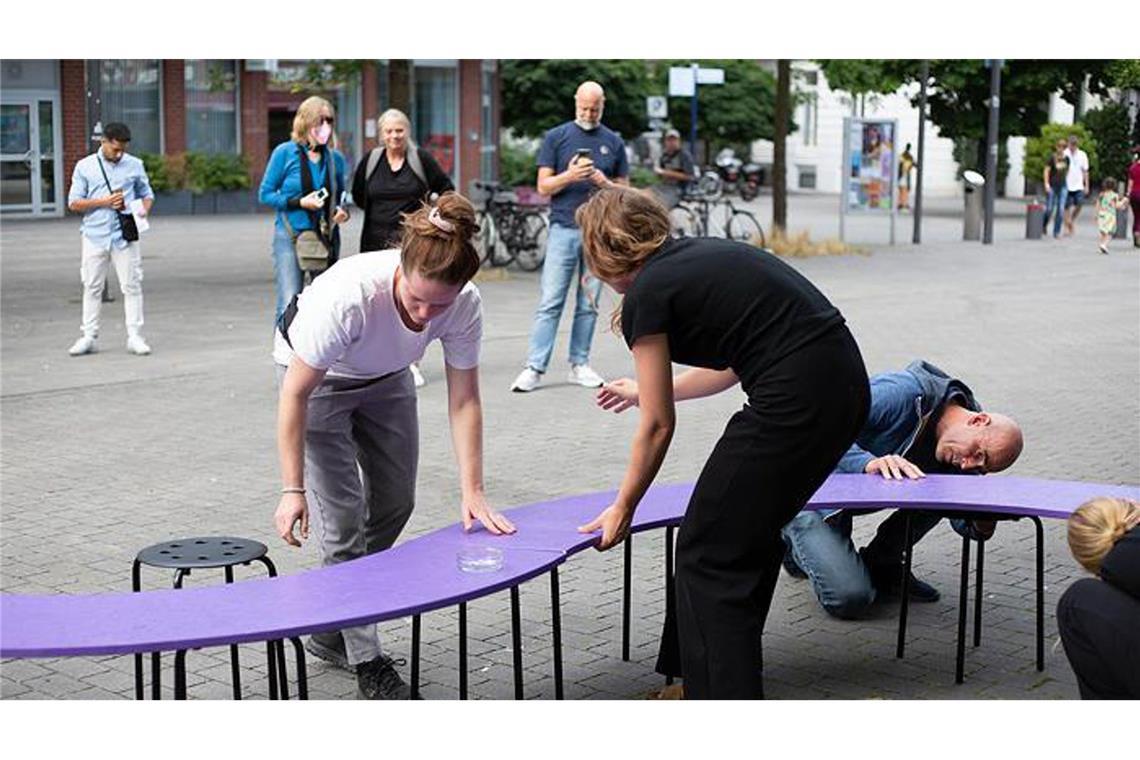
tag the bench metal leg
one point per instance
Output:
(670, 592)
(625, 598)
(463, 650)
(1040, 592)
(904, 605)
(282, 673)
(302, 673)
(415, 677)
(271, 656)
(978, 593)
(556, 624)
(136, 585)
(516, 641)
(963, 593)
(235, 668)
(155, 675)
(180, 674)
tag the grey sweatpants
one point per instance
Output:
(361, 452)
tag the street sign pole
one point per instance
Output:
(693, 113)
(992, 149)
(924, 77)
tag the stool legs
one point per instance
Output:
(235, 669)
(463, 650)
(415, 676)
(978, 593)
(1040, 592)
(136, 585)
(960, 661)
(670, 592)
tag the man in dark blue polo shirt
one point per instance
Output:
(575, 159)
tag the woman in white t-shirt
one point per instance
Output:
(347, 400)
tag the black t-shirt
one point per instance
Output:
(725, 304)
(390, 194)
(1058, 170)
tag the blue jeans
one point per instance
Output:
(287, 275)
(1055, 207)
(839, 575)
(564, 263)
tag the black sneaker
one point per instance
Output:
(330, 648)
(885, 579)
(378, 679)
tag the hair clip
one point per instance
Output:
(435, 218)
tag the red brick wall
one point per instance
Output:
(369, 101)
(470, 122)
(174, 106)
(254, 121)
(73, 103)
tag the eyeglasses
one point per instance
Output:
(327, 120)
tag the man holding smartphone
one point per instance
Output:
(575, 159)
(103, 186)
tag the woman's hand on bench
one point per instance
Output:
(475, 507)
(894, 467)
(292, 508)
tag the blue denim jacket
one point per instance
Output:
(902, 403)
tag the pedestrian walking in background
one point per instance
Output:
(1076, 183)
(395, 180)
(675, 170)
(1056, 173)
(576, 158)
(307, 195)
(906, 165)
(1107, 204)
(108, 188)
(1133, 193)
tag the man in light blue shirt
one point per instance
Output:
(103, 185)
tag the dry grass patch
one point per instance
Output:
(800, 244)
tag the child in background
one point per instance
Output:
(1106, 205)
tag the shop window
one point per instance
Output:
(128, 91)
(211, 107)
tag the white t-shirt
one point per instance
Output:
(347, 323)
(1078, 165)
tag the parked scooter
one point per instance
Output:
(750, 180)
(738, 176)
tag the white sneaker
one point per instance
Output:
(137, 346)
(417, 376)
(583, 375)
(527, 381)
(85, 345)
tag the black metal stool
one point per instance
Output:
(210, 552)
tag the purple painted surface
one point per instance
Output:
(421, 575)
(402, 581)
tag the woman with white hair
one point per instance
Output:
(297, 173)
(394, 180)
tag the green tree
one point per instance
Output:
(1108, 127)
(539, 94)
(1038, 149)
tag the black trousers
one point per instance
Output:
(774, 454)
(1100, 628)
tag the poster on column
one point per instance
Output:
(869, 182)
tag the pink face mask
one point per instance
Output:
(321, 134)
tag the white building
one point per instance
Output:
(815, 149)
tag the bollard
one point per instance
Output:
(1123, 224)
(1034, 220)
(972, 221)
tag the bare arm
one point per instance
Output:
(550, 183)
(298, 384)
(465, 411)
(83, 205)
(650, 442)
(697, 382)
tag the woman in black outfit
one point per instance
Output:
(735, 314)
(403, 175)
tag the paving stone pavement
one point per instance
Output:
(104, 454)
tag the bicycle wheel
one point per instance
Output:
(532, 232)
(486, 238)
(683, 222)
(742, 226)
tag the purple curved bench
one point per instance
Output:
(420, 575)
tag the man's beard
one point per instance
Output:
(589, 126)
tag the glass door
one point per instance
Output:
(28, 171)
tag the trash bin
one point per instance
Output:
(1123, 227)
(1034, 220)
(972, 222)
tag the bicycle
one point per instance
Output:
(508, 230)
(695, 215)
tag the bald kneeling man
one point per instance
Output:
(921, 421)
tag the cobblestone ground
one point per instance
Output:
(107, 453)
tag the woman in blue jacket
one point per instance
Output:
(296, 172)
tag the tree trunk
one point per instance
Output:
(780, 143)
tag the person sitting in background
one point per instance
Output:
(1099, 619)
